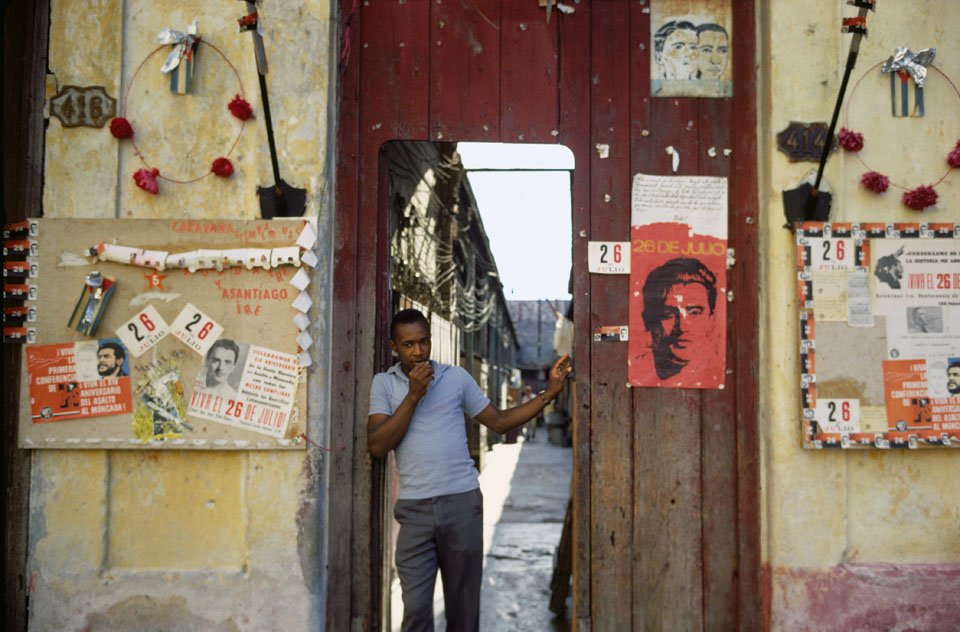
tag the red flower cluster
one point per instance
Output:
(876, 182)
(121, 128)
(920, 198)
(240, 108)
(850, 140)
(222, 167)
(146, 179)
(953, 158)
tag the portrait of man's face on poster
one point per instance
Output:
(675, 50)
(222, 366)
(101, 359)
(713, 51)
(889, 270)
(925, 319)
(953, 377)
(690, 42)
(679, 304)
(110, 359)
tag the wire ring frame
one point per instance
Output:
(136, 148)
(846, 118)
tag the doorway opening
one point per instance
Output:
(480, 241)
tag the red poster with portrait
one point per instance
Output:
(78, 380)
(678, 282)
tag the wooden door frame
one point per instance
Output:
(355, 550)
(26, 25)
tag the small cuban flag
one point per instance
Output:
(181, 61)
(905, 68)
(903, 100)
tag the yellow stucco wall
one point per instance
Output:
(171, 540)
(97, 553)
(828, 508)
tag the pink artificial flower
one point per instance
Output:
(850, 140)
(876, 182)
(240, 108)
(953, 158)
(146, 179)
(920, 198)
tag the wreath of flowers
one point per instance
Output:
(918, 198)
(146, 177)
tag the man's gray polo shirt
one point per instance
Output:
(432, 458)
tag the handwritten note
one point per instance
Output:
(699, 201)
(830, 295)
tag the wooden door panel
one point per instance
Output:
(718, 427)
(612, 473)
(395, 57)
(574, 99)
(528, 75)
(667, 559)
(465, 70)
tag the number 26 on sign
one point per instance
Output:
(608, 257)
(832, 254)
(840, 416)
(196, 329)
(143, 331)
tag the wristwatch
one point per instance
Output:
(542, 398)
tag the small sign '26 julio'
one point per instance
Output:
(143, 330)
(608, 257)
(196, 329)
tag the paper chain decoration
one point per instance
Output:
(194, 260)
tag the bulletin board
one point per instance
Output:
(201, 335)
(879, 334)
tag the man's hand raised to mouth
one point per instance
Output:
(420, 377)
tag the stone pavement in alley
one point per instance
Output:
(525, 490)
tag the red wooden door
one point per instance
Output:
(666, 497)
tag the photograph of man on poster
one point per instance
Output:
(219, 365)
(111, 357)
(679, 299)
(101, 359)
(925, 319)
(953, 377)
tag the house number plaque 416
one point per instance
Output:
(75, 106)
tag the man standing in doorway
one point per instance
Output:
(417, 408)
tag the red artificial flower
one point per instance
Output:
(222, 167)
(849, 140)
(146, 179)
(920, 198)
(121, 128)
(876, 182)
(240, 108)
(953, 158)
